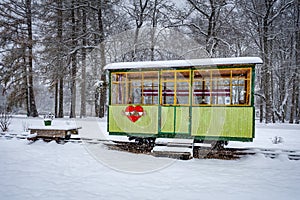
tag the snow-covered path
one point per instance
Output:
(52, 171)
(80, 171)
(91, 129)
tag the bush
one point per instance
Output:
(5, 119)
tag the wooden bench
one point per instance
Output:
(52, 132)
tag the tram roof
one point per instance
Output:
(184, 63)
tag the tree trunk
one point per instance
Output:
(297, 105)
(56, 99)
(295, 110)
(261, 111)
(83, 85)
(61, 98)
(297, 95)
(102, 96)
(135, 45)
(32, 107)
(60, 70)
(26, 86)
(73, 63)
(83, 67)
(272, 97)
(266, 71)
(103, 88)
(153, 30)
(102, 102)
(73, 86)
(210, 47)
(292, 114)
(97, 110)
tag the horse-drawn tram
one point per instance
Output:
(200, 99)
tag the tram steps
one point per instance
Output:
(174, 148)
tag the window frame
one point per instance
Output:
(151, 84)
(232, 75)
(128, 87)
(175, 80)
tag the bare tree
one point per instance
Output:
(73, 55)
(210, 22)
(17, 40)
(295, 103)
(59, 90)
(83, 64)
(53, 57)
(101, 6)
(263, 16)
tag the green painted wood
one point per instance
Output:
(182, 120)
(175, 119)
(235, 122)
(119, 122)
(167, 119)
(224, 138)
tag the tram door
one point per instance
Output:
(175, 106)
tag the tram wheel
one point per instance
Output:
(218, 145)
(144, 141)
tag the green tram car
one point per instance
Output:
(201, 99)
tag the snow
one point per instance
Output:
(266, 133)
(184, 63)
(172, 149)
(45, 171)
(55, 127)
(174, 145)
(174, 140)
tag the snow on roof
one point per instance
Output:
(184, 63)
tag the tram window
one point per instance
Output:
(220, 92)
(175, 87)
(134, 88)
(182, 93)
(224, 91)
(118, 88)
(201, 87)
(150, 92)
(150, 88)
(238, 92)
(221, 87)
(135, 92)
(168, 93)
(241, 87)
(210, 87)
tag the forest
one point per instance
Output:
(52, 52)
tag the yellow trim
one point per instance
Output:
(174, 79)
(175, 89)
(230, 82)
(142, 85)
(127, 87)
(211, 86)
(124, 86)
(214, 83)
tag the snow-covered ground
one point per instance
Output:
(42, 170)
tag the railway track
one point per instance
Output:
(199, 151)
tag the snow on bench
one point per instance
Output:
(54, 132)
